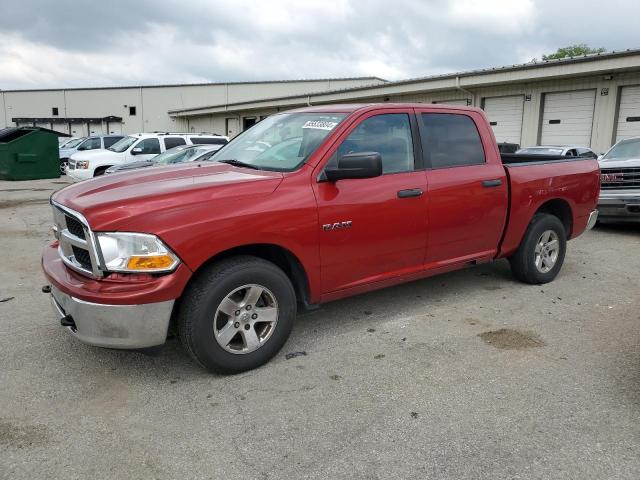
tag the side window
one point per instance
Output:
(450, 140)
(209, 140)
(108, 141)
(586, 153)
(149, 146)
(389, 135)
(91, 144)
(170, 142)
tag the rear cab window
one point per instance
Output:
(450, 140)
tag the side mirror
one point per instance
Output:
(136, 151)
(356, 165)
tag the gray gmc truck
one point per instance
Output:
(620, 182)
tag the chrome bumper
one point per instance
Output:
(620, 205)
(593, 218)
(113, 326)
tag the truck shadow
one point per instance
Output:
(170, 363)
(619, 228)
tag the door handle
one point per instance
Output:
(411, 192)
(491, 183)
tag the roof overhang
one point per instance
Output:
(588, 65)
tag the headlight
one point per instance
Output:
(135, 252)
(83, 164)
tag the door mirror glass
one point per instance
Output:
(355, 165)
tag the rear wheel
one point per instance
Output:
(237, 314)
(541, 253)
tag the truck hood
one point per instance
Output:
(115, 201)
(628, 163)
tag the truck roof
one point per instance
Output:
(353, 107)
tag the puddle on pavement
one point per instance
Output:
(510, 339)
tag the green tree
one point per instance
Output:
(576, 50)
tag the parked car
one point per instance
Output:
(561, 150)
(506, 147)
(359, 198)
(138, 147)
(95, 142)
(173, 156)
(620, 182)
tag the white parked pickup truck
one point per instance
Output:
(139, 146)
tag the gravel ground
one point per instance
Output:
(466, 375)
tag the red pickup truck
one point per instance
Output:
(306, 207)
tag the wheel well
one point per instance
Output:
(561, 209)
(280, 256)
(100, 170)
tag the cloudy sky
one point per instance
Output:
(67, 43)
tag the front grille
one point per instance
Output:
(76, 243)
(82, 257)
(74, 226)
(619, 178)
(72, 164)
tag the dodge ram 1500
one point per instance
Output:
(306, 207)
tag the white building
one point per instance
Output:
(591, 101)
(85, 111)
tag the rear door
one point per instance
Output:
(375, 228)
(468, 194)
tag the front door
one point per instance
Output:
(375, 228)
(149, 148)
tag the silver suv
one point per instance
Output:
(620, 182)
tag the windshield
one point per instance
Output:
(541, 151)
(624, 150)
(281, 142)
(72, 143)
(179, 155)
(122, 145)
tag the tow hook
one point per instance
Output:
(67, 321)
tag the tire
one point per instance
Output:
(63, 166)
(209, 326)
(535, 261)
(99, 171)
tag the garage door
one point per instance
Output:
(629, 113)
(568, 118)
(505, 116)
(461, 101)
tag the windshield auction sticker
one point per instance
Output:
(320, 125)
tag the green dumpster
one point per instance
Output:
(28, 153)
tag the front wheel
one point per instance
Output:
(540, 256)
(237, 314)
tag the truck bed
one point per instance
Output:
(574, 181)
(515, 159)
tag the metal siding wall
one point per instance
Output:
(506, 112)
